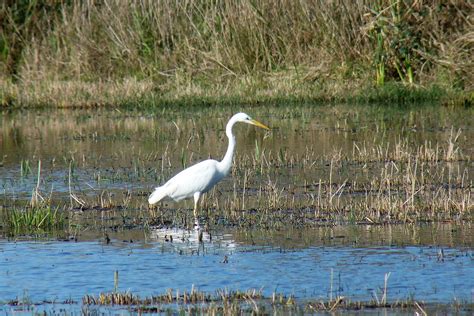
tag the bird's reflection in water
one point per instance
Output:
(198, 242)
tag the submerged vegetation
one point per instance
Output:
(255, 302)
(355, 167)
(146, 53)
(323, 177)
(252, 301)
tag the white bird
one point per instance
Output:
(201, 177)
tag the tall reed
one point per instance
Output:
(74, 51)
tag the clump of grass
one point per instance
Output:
(253, 301)
(181, 297)
(343, 304)
(38, 215)
(33, 219)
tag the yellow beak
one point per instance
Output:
(257, 123)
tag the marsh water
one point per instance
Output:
(98, 166)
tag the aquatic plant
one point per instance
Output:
(25, 168)
(253, 301)
(369, 166)
(194, 296)
(36, 219)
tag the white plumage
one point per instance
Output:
(201, 177)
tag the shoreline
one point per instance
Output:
(146, 94)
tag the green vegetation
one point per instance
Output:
(149, 53)
(325, 165)
(32, 220)
(38, 216)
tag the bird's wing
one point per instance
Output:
(197, 178)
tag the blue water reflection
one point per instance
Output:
(67, 270)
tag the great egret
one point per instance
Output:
(201, 177)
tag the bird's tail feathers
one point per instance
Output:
(157, 195)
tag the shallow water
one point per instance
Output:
(59, 271)
(89, 151)
(114, 158)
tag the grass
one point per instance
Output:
(379, 178)
(33, 220)
(368, 166)
(143, 95)
(394, 171)
(148, 54)
(224, 301)
(37, 216)
(250, 301)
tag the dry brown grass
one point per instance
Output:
(93, 53)
(254, 302)
(307, 172)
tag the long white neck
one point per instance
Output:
(226, 163)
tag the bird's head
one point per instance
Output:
(242, 117)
